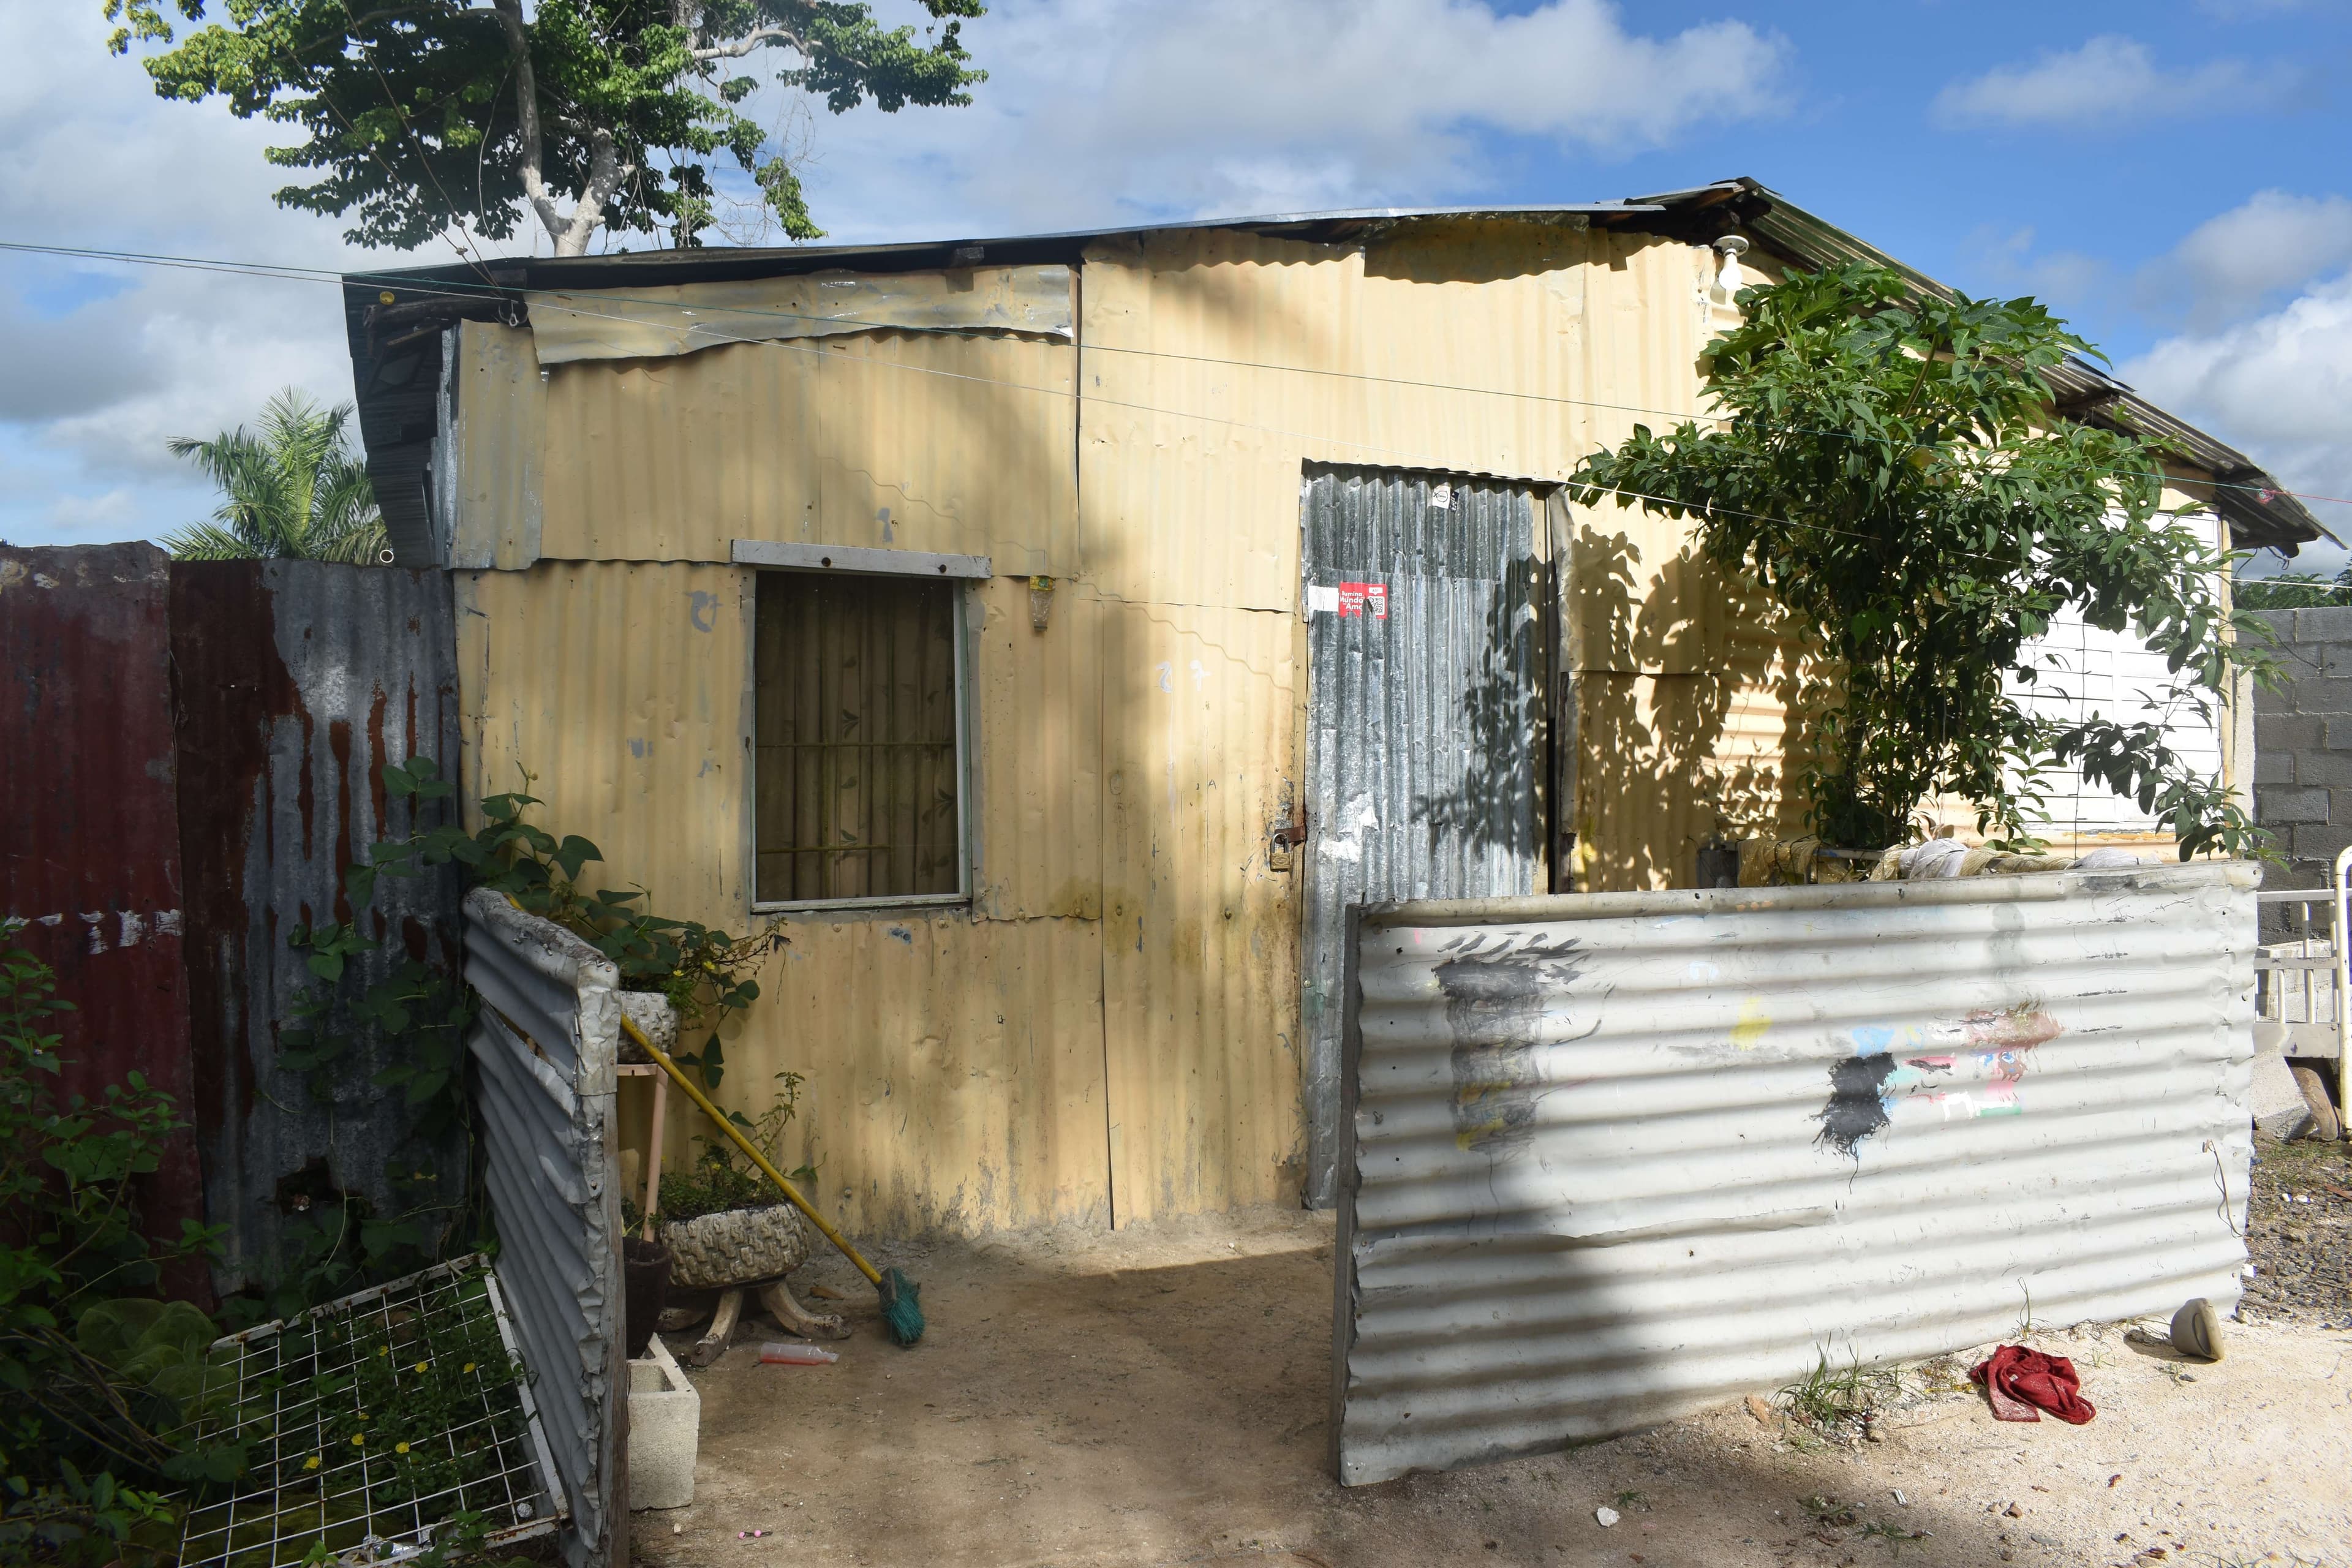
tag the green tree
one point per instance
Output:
(437, 116)
(1890, 469)
(295, 491)
(2295, 591)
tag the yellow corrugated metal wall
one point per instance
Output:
(1112, 1029)
(954, 1063)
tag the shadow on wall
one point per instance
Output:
(1670, 757)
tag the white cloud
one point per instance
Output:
(1098, 112)
(101, 517)
(1104, 112)
(2007, 263)
(106, 361)
(2109, 79)
(2278, 385)
(2236, 263)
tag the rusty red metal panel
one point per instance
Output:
(88, 827)
(298, 681)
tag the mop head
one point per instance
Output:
(902, 1312)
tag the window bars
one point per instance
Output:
(371, 1425)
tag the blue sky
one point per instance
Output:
(2172, 176)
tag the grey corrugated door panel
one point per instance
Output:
(1429, 634)
(1562, 732)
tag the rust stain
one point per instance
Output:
(87, 795)
(339, 742)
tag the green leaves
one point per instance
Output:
(412, 117)
(1889, 470)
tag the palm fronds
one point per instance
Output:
(296, 490)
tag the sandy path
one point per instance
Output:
(1157, 1396)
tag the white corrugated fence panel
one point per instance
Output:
(1619, 1156)
(545, 1046)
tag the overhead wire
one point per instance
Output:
(408, 283)
(293, 273)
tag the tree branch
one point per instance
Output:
(534, 180)
(606, 174)
(750, 41)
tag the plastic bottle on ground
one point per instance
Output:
(794, 1353)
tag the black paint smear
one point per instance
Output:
(1494, 1009)
(1854, 1110)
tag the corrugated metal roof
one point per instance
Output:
(396, 357)
(1616, 1157)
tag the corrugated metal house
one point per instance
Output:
(1003, 613)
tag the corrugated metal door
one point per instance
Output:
(1427, 650)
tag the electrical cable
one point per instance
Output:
(287, 272)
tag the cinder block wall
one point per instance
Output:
(2302, 742)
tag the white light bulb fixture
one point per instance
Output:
(1729, 280)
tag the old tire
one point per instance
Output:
(740, 1246)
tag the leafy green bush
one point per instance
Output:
(1887, 466)
(721, 1179)
(2294, 591)
(703, 972)
(96, 1374)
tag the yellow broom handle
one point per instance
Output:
(744, 1144)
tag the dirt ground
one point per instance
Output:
(1157, 1396)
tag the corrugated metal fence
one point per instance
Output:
(1617, 1157)
(546, 1043)
(298, 681)
(90, 840)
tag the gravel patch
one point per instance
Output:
(2299, 1235)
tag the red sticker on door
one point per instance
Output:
(1368, 599)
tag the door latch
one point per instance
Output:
(1283, 839)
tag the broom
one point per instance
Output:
(902, 1313)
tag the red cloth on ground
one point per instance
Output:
(2015, 1379)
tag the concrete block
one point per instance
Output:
(2288, 732)
(2321, 842)
(2281, 622)
(2270, 768)
(2335, 735)
(2290, 803)
(665, 1431)
(2330, 624)
(2275, 1098)
(2320, 694)
(2321, 769)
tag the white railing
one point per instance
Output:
(2303, 978)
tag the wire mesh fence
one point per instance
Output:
(370, 1426)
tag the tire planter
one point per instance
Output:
(719, 1251)
(652, 1014)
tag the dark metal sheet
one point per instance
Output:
(298, 681)
(1425, 746)
(88, 830)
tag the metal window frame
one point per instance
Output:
(966, 572)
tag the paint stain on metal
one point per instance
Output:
(1753, 1021)
(1964, 1069)
(901, 933)
(1854, 1110)
(700, 608)
(1494, 1010)
(638, 747)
